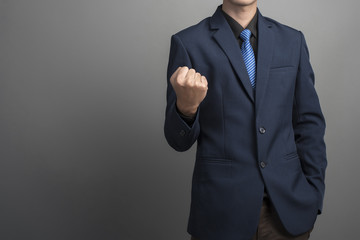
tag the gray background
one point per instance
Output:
(82, 98)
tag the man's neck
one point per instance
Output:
(242, 14)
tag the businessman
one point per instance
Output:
(242, 87)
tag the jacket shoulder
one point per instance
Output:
(198, 29)
(280, 26)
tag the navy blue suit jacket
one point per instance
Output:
(249, 141)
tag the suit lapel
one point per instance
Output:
(225, 38)
(264, 58)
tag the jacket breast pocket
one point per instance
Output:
(283, 75)
(281, 85)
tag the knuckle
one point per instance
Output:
(205, 81)
(183, 69)
(185, 83)
(192, 84)
(181, 84)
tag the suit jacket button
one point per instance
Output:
(263, 165)
(182, 133)
(262, 130)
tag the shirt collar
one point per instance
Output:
(237, 28)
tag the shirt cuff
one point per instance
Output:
(187, 119)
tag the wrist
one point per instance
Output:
(187, 111)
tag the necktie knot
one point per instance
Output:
(245, 35)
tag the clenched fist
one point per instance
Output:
(190, 88)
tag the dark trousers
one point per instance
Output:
(270, 227)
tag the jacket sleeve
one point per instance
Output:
(178, 133)
(309, 125)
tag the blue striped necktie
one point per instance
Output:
(248, 55)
